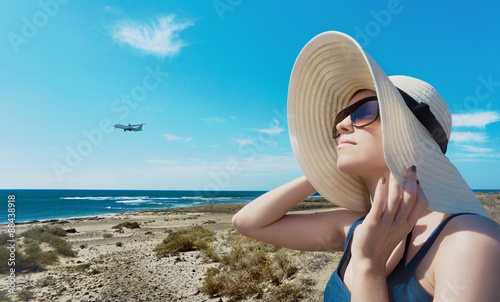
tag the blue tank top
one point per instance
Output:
(401, 283)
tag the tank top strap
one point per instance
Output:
(428, 243)
(407, 245)
(353, 227)
(347, 248)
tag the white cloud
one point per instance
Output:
(478, 119)
(171, 137)
(214, 119)
(159, 37)
(268, 164)
(244, 142)
(258, 165)
(113, 10)
(274, 130)
(474, 153)
(477, 149)
(468, 137)
(161, 161)
(477, 157)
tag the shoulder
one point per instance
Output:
(468, 256)
(469, 235)
(473, 229)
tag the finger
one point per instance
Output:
(409, 194)
(394, 197)
(419, 207)
(379, 199)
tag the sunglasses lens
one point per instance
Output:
(365, 114)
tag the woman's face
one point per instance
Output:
(360, 151)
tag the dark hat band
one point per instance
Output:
(423, 113)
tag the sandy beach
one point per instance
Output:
(123, 266)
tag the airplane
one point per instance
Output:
(136, 127)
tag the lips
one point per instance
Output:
(344, 143)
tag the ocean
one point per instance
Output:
(53, 204)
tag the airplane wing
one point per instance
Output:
(120, 126)
(137, 125)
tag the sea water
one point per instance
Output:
(53, 204)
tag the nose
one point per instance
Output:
(345, 126)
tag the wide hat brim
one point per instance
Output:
(329, 70)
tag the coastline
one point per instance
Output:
(316, 202)
(133, 272)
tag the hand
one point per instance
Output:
(395, 210)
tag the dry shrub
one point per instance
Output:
(34, 254)
(4, 296)
(185, 240)
(31, 258)
(52, 236)
(128, 225)
(79, 268)
(250, 269)
(286, 292)
(491, 202)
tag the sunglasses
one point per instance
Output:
(362, 113)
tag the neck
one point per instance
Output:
(372, 182)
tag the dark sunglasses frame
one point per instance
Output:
(348, 111)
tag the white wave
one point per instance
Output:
(87, 198)
(133, 201)
(131, 197)
(142, 199)
(105, 197)
(208, 198)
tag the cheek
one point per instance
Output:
(365, 157)
(375, 153)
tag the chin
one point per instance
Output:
(373, 166)
(348, 167)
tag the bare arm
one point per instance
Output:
(468, 261)
(266, 219)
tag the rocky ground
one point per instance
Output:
(113, 266)
(104, 271)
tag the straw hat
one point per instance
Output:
(329, 70)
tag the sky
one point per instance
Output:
(210, 79)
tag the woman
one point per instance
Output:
(410, 227)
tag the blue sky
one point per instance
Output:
(210, 80)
